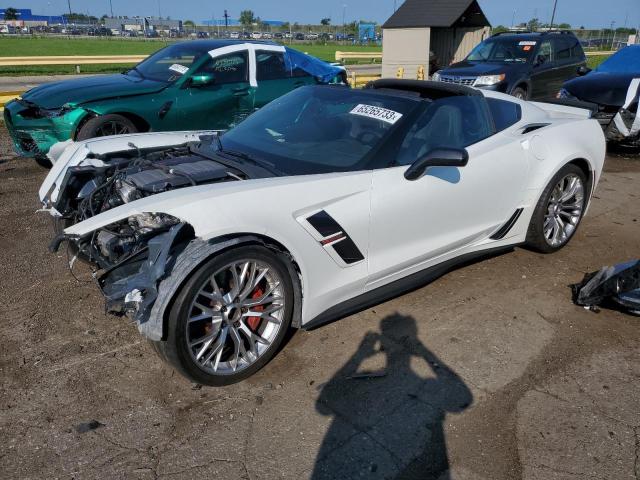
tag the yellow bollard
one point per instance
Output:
(420, 75)
(353, 80)
(400, 72)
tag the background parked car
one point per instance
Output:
(525, 65)
(614, 88)
(184, 86)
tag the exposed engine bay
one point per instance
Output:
(123, 177)
(108, 181)
(130, 256)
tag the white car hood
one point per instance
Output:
(197, 205)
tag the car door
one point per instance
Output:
(274, 78)
(544, 74)
(416, 223)
(221, 103)
(567, 66)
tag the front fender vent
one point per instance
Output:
(533, 127)
(502, 232)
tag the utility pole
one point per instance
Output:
(344, 25)
(613, 33)
(226, 20)
(513, 19)
(69, 4)
(111, 5)
(553, 15)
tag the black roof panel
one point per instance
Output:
(437, 13)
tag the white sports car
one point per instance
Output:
(323, 202)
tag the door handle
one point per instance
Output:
(240, 92)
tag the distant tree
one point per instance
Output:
(499, 29)
(564, 26)
(285, 25)
(247, 18)
(533, 24)
(79, 18)
(325, 21)
(10, 13)
(189, 24)
(296, 25)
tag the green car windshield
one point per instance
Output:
(170, 63)
(319, 129)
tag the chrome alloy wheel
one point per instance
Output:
(235, 316)
(564, 210)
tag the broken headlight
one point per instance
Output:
(563, 93)
(148, 222)
(34, 112)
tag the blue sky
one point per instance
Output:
(590, 13)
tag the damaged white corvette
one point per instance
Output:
(323, 202)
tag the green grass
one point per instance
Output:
(39, 46)
(594, 60)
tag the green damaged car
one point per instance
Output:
(202, 84)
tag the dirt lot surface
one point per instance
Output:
(487, 373)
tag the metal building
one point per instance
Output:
(439, 32)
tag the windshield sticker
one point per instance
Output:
(378, 113)
(181, 69)
(527, 42)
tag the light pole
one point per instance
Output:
(613, 33)
(111, 6)
(513, 19)
(553, 15)
(69, 4)
(344, 25)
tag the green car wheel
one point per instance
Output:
(105, 125)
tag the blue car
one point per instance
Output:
(613, 89)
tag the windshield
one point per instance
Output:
(319, 129)
(503, 50)
(170, 63)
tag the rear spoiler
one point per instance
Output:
(571, 102)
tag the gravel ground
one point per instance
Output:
(487, 373)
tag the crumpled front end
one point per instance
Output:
(129, 258)
(34, 130)
(623, 125)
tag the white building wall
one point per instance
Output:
(407, 48)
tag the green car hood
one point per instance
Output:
(89, 89)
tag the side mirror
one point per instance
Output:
(439, 157)
(202, 80)
(582, 70)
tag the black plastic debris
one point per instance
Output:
(617, 286)
(88, 426)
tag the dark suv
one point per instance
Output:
(525, 65)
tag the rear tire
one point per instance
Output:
(210, 307)
(559, 210)
(106, 125)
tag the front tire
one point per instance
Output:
(43, 161)
(230, 318)
(559, 210)
(106, 125)
(520, 93)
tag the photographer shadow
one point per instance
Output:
(389, 422)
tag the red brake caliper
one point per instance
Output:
(253, 322)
